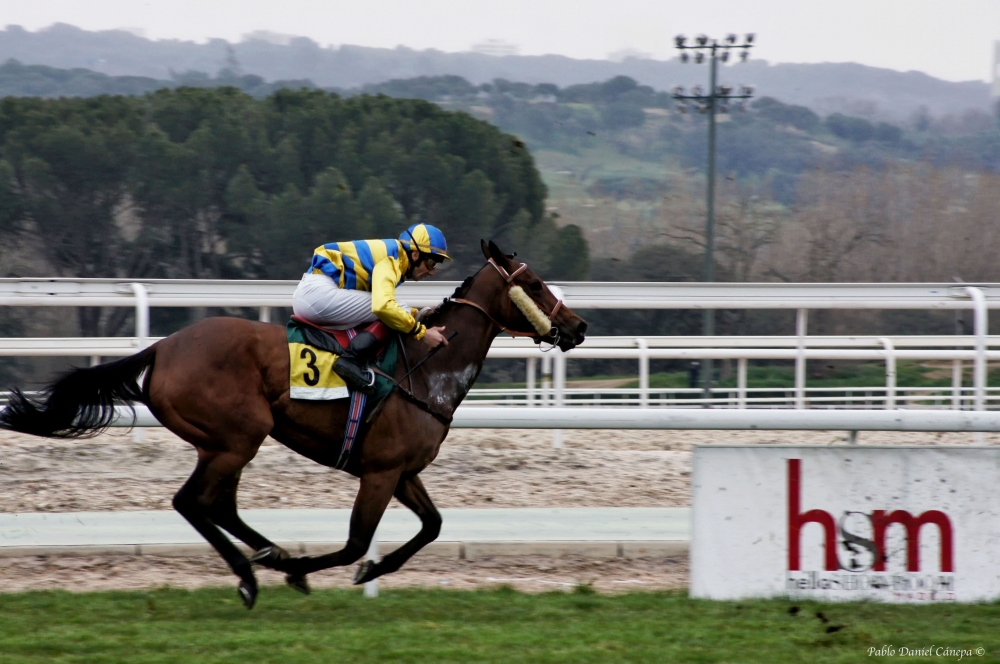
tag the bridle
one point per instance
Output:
(509, 277)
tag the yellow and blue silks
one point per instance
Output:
(375, 266)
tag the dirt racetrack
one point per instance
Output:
(476, 468)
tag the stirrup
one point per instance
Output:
(357, 378)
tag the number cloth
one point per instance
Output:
(311, 376)
(364, 271)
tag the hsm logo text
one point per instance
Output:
(880, 521)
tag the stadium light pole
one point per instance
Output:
(717, 100)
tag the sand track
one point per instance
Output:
(476, 468)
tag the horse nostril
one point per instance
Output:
(581, 329)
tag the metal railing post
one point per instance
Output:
(141, 315)
(741, 383)
(890, 373)
(547, 380)
(265, 315)
(956, 384)
(529, 379)
(643, 372)
(141, 339)
(979, 326)
(559, 378)
(801, 322)
(371, 587)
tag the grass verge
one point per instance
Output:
(210, 625)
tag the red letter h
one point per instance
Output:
(797, 520)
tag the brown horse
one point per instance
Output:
(223, 385)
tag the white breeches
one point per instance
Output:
(319, 300)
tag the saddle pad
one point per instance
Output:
(311, 376)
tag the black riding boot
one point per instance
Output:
(352, 366)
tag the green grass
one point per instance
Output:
(908, 374)
(454, 626)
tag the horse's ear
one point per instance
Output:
(497, 255)
(486, 249)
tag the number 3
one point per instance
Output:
(312, 365)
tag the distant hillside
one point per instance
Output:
(847, 88)
(20, 80)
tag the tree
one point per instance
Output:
(850, 128)
(212, 183)
(569, 255)
(67, 166)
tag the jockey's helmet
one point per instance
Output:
(426, 239)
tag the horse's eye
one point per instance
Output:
(536, 286)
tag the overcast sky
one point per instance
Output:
(950, 39)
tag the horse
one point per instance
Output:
(222, 385)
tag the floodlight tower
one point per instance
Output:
(716, 100)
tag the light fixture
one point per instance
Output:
(679, 40)
(719, 99)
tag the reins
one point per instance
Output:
(423, 405)
(408, 393)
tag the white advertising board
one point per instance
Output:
(895, 524)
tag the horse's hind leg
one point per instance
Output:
(411, 492)
(224, 514)
(194, 502)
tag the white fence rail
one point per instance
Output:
(473, 417)
(800, 348)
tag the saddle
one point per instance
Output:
(312, 351)
(325, 338)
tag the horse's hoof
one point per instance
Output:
(364, 572)
(299, 583)
(248, 594)
(270, 556)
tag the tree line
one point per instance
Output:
(213, 183)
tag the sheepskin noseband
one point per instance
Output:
(535, 316)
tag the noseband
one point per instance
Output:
(509, 278)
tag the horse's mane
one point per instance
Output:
(432, 318)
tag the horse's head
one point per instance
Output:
(537, 312)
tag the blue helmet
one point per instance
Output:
(426, 239)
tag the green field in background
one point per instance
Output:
(781, 376)
(502, 625)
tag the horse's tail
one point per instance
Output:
(82, 403)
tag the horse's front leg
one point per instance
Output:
(411, 492)
(373, 497)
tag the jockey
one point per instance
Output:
(353, 283)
